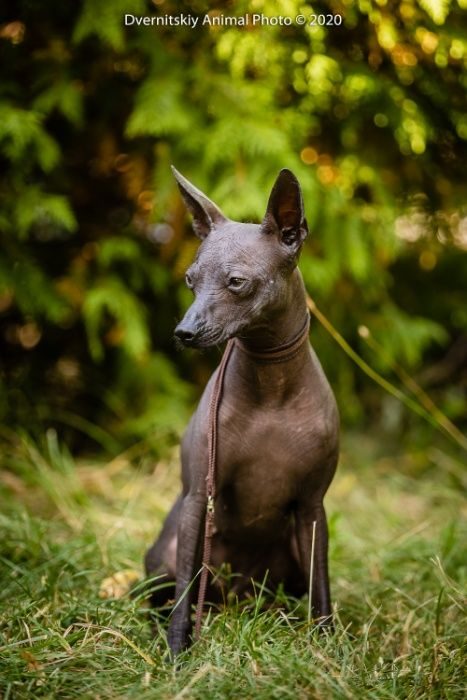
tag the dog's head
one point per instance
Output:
(241, 271)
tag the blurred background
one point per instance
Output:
(370, 112)
(371, 115)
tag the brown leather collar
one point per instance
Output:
(280, 353)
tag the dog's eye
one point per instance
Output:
(188, 281)
(236, 282)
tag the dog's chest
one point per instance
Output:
(262, 462)
(272, 436)
(268, 432)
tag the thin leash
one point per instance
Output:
(211, 484)
(279, 354)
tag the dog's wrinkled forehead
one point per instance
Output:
(234, 245)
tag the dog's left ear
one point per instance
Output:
(205, 213)
(285, 211)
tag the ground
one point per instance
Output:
(397, 563)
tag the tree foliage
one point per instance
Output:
(371, 116)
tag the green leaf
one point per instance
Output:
(34, 293)
(67, 97)
(112, 249)
(405, 337)
(45, 211)
(438, 10)
(110, 298)
(106, 20)
(23, 137)
(160, 109)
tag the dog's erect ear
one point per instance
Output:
(205, 213)
(285, 211)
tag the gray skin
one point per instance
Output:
(278, 424)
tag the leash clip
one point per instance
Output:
(210, 505)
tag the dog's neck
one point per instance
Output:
(285, 327)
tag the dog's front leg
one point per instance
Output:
(312, 537)
(190, 528)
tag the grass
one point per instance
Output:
(398, 565)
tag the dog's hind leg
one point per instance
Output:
(160, 559)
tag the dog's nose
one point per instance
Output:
(185, 335)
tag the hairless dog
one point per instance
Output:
(278, 425)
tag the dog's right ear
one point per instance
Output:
(205, 213)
